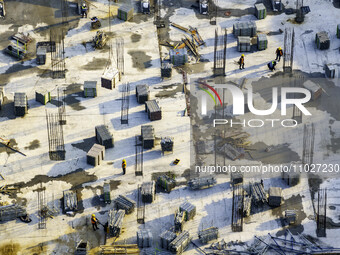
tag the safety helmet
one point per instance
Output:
(123, 160)
(93, 215)
(274, 62)
(84, 4)
(242, 55)
(280, 48)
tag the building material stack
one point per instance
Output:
(322, 40)
(15, 51)
(202, 182)
(236, 178)
(166, 70)
(144, 238)
(124, 203)
(274, 196)
(153, 110)
(258, 194)
(246, 28)
(115, 222)
(11, 212)
(208, 234)
(188, 209)
(148, 136)
(125, 12)
(20, 104)
(178, 57)
(2, 95)
(166, 238)
(48, 45)
(103, 136)
(166, 182)
(70, 201)
(179, 221)
(262, 42)
(110, 78)
(142, 93)
(95, 155)
(290, 216)
(180, 243)
(148, 192)
(167, 144)
(41, 55)
(315, 90)
(246, 206)
(243, 43)
(90, 89)
(330, 70)
(43, 96)
(107, 193)
(260, 11)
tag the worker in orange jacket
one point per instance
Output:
(124, 166)
(279, 54)
(94, 222)
(241, 62)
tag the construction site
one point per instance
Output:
(169, 127)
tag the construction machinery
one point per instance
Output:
(100, 39)
(2, 9)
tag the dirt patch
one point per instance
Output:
(72, 92)
(140, 60)
(13, 144)
(33, 145)
(135, 37)
(95, 64)
(75, 178)
(9, 249)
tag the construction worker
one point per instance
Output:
(94, 222)
(84, 10)
(271, 65)
(279, 53)
(241, 62)
(124, 166)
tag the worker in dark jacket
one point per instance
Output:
(84, 10)
(279, 54)
(241, 62)
(124, 166)
(94, 222)
(271, 65)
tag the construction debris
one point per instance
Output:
(167, 144)
(95, 155)
(180, 243)
(274, 196)
(148, 192)
(103, 136)
(188, 209)
(70, 202)
(11, 212)
(208, 234)
(166, 182)
(166, 238)
(124, 203)
(115, 222)
(153, 110)
(99, 40)
(202, 182)
(144, 238)
(322, 40)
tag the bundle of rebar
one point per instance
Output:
(180, 243)
(202, 182)
(70, 201)
(115, 222)
(258, 193)
(148, 192)
(166, 238)
(124, 203)
(188, 209)
(208, 234)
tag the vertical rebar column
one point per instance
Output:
(42, 206)
(61, 105)
(55, 137)
(124, 118)
(139, 156)
(120, 56)
(321, 215)
(288, 52)
(308, 144)
(237, 208)
(220, 52)
(58, 56)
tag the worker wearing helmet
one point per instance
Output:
(124, 166)
(84, 10)
(94, 222)
(271, 65)
(241, 62)
(279, 53)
